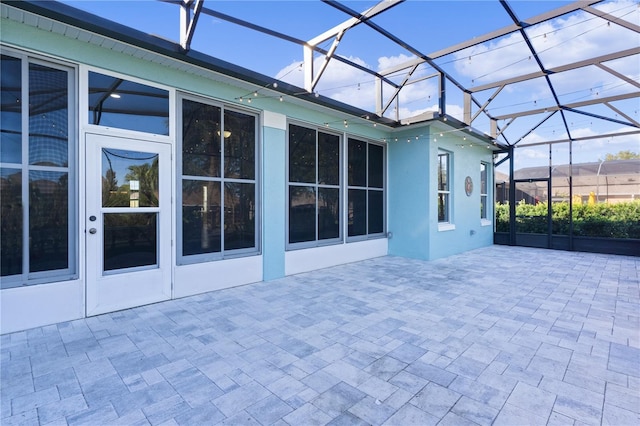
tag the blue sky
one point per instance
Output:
(427, 26)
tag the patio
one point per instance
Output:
(500, 335)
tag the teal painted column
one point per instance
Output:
(408, 202)
(273, 197)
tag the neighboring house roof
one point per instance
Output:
(598, 168)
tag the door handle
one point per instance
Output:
(93, 230)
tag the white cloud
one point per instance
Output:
(387, 62)
(355, 87)
(560, 41)
(568, 39)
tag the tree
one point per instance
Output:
(622, 155)
(147, 176)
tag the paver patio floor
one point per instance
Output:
(499, 335)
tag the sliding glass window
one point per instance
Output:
(444, 191)
(38, 241)
(366, 196)
(314, 187)
(484, 191)
(217, 187)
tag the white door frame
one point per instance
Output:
(136, 286)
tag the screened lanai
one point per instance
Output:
(307, 212)
(203, 145)
(553, 84)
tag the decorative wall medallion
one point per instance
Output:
(468, 185)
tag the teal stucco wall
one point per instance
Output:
(408, 203)
(413, 194)
(467, 230)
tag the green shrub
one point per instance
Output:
(619, 220)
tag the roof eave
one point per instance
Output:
(80, 19)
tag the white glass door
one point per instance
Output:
(128, 223)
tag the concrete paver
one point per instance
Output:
(498, 335)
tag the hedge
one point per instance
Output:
(619, 220)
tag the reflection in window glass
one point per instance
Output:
(357, 163)
(328, 159)
(239, 215)
(328, 213)
(124, 104)
(375, 210)
(376, 166)
(239, 145)
(314, 186)
(11, 223)
(201, 219)
(129, 178)
(366, 167)
(37, 239)
(130, 240)
(302, 154)
(48, 116)
(201, 124)
(357, 212)
(302, 214)
(48, 220)
(11, 112)
(218, 194)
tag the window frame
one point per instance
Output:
(447, 222)
(484, 193)
(483, 190)
(26, 277)
(173, 131)
(181, 258)
(367, 188)
(340, 187)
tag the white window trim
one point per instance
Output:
(100, 129)
(485, 221)
(27, 278)
(289, 246)
(182, 259)
(447, 225)
(367, 235)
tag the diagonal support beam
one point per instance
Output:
(397, 91)
(619, 75)
(325, 63)
(623, 114)
(535, 127)
(350, 23)
(188, 22)
(408, 47)
(572, 106)
(533, 51)
(597, 61)
(619, 21)
(506, 126)
(486, 104)
(311, 78)
(600, 117)
(572, 7)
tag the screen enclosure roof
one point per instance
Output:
(513, 72)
